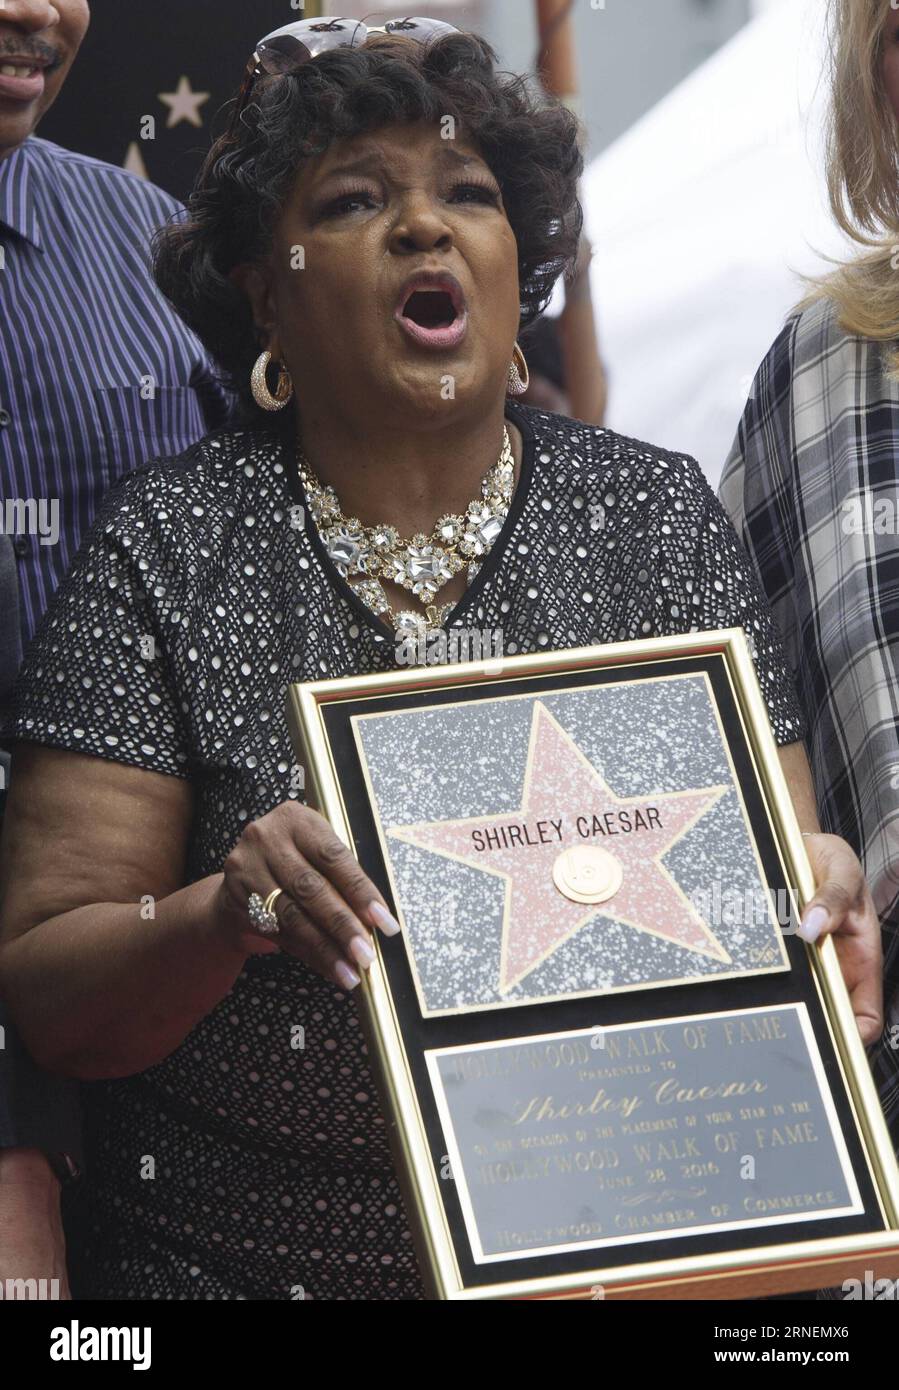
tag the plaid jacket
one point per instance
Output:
(812, 486)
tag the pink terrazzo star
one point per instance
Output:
(564, 797)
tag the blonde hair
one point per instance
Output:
(863, 176)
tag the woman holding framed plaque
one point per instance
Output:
(382, 215)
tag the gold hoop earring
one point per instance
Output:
(259, 385)
(519, 376)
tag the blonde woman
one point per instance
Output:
(812, 484)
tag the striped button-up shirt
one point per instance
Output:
(812, 485)
(97, 372)
(97, 375)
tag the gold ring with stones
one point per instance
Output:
(261, 913)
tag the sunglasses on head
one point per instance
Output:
(286, 50)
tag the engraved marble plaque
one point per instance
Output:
(641, 1132)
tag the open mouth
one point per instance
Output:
(430, 308)
(432, 311)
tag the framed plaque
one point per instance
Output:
(610, 1066)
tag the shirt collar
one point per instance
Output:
(18, 208)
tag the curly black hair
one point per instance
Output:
(529, 142)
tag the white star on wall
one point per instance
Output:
(184, 104)
(134, 161)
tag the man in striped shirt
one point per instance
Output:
(97, 375)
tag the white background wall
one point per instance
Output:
(630, 52)
(704, 216)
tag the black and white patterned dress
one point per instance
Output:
(272, 1173)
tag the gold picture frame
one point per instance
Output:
(723, 1265)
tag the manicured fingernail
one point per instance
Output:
(363, 953)
(383, 919)
(813, 923)
(346, 976)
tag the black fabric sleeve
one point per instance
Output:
(97, 678)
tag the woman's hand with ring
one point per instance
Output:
(328, 905)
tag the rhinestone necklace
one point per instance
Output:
(366, 554)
